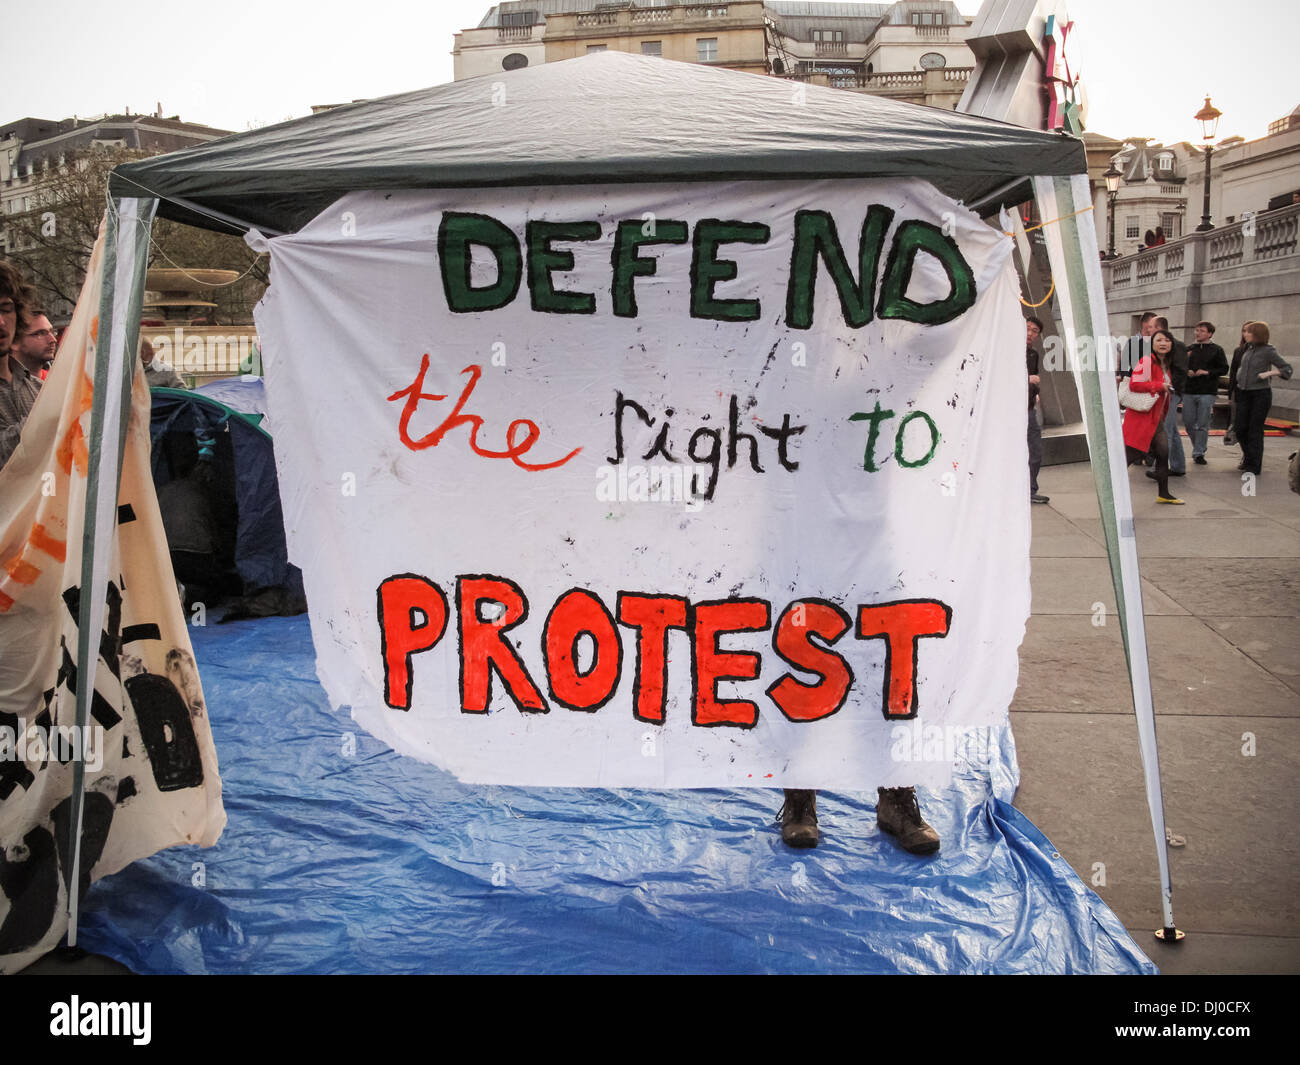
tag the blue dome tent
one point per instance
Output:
(248, 519)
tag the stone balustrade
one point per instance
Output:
(1249, 270)
(1265, 237)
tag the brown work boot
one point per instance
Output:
(798, 817)
(899, 814)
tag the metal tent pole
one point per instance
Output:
(1072, 250)
(126, 247)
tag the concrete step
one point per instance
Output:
(1064, 443)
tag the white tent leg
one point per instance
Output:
(1072, 250)
(126, 254)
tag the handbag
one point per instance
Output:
(1140, 401)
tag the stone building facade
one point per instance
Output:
(913, 51)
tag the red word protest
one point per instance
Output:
(414, 614)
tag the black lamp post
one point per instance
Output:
(1112, 176)
(1208, 116)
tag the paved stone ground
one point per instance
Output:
(1221, 595)
(1221, 591)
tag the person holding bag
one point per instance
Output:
(1143, 429)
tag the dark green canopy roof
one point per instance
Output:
(604, 118)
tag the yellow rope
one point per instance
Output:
(1030, 229)
(1050, 290)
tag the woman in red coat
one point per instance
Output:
(1143, 429)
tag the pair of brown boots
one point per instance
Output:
(897, 812)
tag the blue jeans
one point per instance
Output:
(1177, 460)
(1196, 420)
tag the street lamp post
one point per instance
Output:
(1208, 116)
(1112, 176)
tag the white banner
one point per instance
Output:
(151, 777)
(716, 485)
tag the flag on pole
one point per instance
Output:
(145, 750)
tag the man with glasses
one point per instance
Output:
(35, 346)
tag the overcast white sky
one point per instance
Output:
(1148, 64)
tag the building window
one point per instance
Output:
(1172, 223)
(927, 18)
(933, 61)
(652, 48)
(514, 61)
(706, 49)
(1131, 230)
(828, 35)
(592, 49)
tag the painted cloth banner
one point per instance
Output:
(712, 485)
(150, 766)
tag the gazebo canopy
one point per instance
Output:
(604, 118)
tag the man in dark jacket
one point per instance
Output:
(1137, 346)
(1034, 330)
(1206, 364)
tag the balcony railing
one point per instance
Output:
(832, 47)
(1265, 238)
(892, 79)
(1276, 236)
(932, 33)
(1226, 249)
(680, 15)
(910, 82)
(514, 33)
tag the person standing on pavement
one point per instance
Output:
(1230, 437)
(1178, 370)
(1033, 331)
(1260, 363)
(1206, 364)
(1137, 345)
(1144, 429)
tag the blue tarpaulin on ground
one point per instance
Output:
(343, 858)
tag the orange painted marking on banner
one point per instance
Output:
(72, 448)
(85, 395)
(21, 570)
(94, 328)
(80, 453)
(41, 539)
(5, 603)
